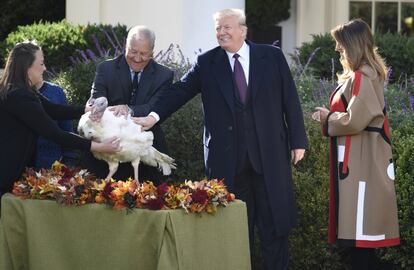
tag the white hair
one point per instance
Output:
(141, 32)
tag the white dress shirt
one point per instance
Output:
(244, 59)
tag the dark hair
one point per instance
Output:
(20, 59)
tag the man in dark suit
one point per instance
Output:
(253, 128)
(132, 82)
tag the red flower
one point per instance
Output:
(155, 204)
(200, 196)
(64, 182)
(107, 191)
(67, 173)
(162, 189)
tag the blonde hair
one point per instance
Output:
(230, 12)
(356, 39)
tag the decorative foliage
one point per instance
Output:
(265, 13)
(78, 187)
(61, 40)
(323, 62)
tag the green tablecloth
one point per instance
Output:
(42, 235)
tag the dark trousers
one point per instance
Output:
(363, 259)
(249, 186)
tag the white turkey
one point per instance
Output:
(136, 145)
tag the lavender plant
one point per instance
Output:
(400, 101)
(312, 90)
(172, 57)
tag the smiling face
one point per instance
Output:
(35, 71)
(138, 54)
(230, 34)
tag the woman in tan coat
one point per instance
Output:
(362, 201)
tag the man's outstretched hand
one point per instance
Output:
(146, 122)
(120, 110)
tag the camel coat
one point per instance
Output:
(363, 207)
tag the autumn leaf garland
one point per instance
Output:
(77, 187)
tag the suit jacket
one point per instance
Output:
(276, 111)
(113, 80)
(23, 116)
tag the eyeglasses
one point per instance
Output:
(144, 56)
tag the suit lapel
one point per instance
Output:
(145, 83)
(256, 69)
(124, 76)
(224, 76)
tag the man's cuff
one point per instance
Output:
(155, 115)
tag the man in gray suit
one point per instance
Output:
(132, 82)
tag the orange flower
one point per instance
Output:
(211, 208)
(99, 198)
(231, 197)
(57, 166)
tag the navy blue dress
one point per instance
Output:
(48, 151)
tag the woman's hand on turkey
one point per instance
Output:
(110, 145)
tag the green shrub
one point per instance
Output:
(184, 135)
(102, 41)
(106, 35)
(16, 12)
(174, 59)
(313, 92)
(400, 103)
(398, 52)
(265, 13)
(309, 247)
(77, 82)
(58, 41)
(61, 41)
(319, 58)
(403, 146)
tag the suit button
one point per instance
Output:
(229, 128)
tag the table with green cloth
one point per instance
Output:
(43, 235)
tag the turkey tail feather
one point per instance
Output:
(157, 159)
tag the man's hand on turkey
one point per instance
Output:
(100, 124)
(146, 122)
(120, 110)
